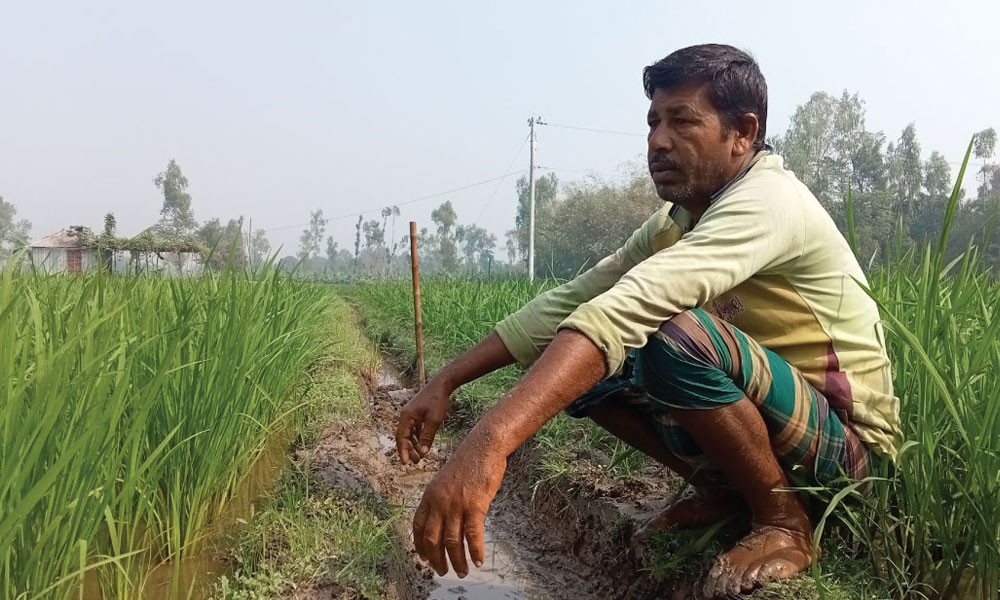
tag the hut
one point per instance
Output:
(65, 251)
(77, 250)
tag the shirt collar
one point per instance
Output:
(685, 220)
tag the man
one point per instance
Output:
(729, 339)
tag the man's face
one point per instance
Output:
(691, 152)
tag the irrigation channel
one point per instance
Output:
(536, 548)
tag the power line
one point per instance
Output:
(414, 200)
(593, 129)
(499, 183)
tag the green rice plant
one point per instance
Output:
(131, 412)
(931, 525)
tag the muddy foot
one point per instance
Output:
(766, 554)
(699, 509)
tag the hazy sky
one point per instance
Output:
(275, 109)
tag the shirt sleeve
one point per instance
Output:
(527, 332)
(737, 237)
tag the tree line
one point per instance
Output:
(898, 199)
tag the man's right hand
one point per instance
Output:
(419, 421)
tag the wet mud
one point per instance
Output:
(543, 542)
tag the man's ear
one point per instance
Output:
(746, 133)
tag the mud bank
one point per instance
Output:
(543, 542)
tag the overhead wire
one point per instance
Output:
(592, 129)
(501, 178)
(412, 201)
(499, 183)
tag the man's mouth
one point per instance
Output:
(663, 172)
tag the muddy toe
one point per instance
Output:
(766, 554)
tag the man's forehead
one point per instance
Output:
(691, 96)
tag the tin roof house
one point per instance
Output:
(77, 250)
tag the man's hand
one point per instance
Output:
(455, 502)
(419, 421)
(454, 505)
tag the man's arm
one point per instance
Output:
(423, 414)
(455, 502)
(521, 337)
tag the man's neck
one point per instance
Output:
(698, 207)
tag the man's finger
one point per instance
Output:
(475, 537)
(419, 523)
(403, 433)
(433, 543)
(454, 543)
(427, 433)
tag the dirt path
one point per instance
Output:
(541, 544)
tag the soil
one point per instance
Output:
(543, 541)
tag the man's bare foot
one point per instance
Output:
(699, 509)
(766, 554)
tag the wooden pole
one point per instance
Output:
(418, 321)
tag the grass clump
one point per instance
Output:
(307, 534)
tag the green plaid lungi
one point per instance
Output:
(698, 361)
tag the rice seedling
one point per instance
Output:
(131, 412)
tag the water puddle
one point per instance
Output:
(501, 577)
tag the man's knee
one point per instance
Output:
(682, 369)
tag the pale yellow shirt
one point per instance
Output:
(767, 258)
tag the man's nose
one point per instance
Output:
(660, 139)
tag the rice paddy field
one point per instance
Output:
(133, 410)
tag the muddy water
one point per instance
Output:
(502, 576)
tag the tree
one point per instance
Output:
(593, 219)
(929, 219)
(445, 218)
(477, 246)
(357, 242)
(260, 247)
(13, 233)
(374, 242)
(829, 149)
(546, 190)
(906, 176)
(983, 148)
(224, 243)
(110, 225)
(176, 216)
(390, 253)
(311, 238)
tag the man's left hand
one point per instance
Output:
(454, 505)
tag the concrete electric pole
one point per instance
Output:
(531, 198)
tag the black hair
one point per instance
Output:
(735, 84)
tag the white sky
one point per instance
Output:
(276, 109)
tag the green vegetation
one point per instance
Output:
(306, 532)
(935, 521)
(132, 411)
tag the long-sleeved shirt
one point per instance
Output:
(765, 257)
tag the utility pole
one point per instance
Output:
(531, 198)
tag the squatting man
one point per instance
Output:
(728, 339)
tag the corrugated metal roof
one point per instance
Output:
(64, 238)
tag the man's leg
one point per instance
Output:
(709, 503)
(780, 542)
(752, 416)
